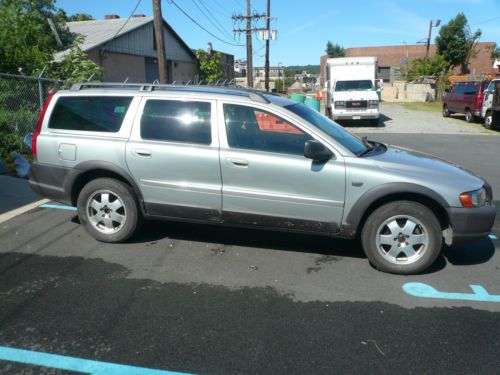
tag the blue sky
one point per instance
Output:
(304, 27)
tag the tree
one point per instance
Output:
(334, 50)
(76, 65)
(495, 52)
(27, 42)
(210, 65)
(435, 66)
(456, 43)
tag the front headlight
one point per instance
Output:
(476, 198)
(373, 103)
(339, 104)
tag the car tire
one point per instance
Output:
(402, 237)
(108, 210)
(446, 111)
(488, 121)
(469, 117)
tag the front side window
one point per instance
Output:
(177, 121)
(90, 113)
(491, 87)
(255, 129)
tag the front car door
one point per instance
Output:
(174, 158)
(266, 179)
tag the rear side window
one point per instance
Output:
(177, 121)
(471, 89)
(90, 113)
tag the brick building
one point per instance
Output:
(392, 57)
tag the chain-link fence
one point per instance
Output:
(21, 99)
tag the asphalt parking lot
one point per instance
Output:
(213, 300)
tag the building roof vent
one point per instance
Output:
(111, 17)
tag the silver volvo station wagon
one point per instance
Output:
(125, 153)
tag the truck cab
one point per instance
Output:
(487, 110)
(351, 89)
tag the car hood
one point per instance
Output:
(424, 166)
(355, 95)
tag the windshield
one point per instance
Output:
(354, 85)
(342, 136)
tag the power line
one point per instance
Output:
(219, 27)
(201, 27)
(221, 7)
(486, 21)
(121, 28)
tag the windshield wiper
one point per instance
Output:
(368, 149)
(368, 146)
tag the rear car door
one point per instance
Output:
(268, 182)
(174, 158)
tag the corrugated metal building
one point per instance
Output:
(128, 49)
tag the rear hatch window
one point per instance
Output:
(90, 113)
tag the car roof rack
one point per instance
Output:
(253, 94)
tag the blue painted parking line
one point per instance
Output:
(85, 366)
(60, 207)
(493, 237)
(426, 291)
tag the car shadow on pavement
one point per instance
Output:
(157, 230)
(476, 252)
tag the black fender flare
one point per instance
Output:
(94, 165)
(359, 209)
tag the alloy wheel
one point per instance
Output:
(402, 239)
(106, 211)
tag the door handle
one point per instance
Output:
(143, 153)
(242, 163)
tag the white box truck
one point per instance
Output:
(351, 89)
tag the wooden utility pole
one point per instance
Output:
(160, 45)
(428, 42)
(249, 47)
(268, 27)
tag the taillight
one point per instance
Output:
(38, 128)
(479, 101)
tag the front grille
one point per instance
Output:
(357, 104)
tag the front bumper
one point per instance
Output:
(351, 115)
(469, 224)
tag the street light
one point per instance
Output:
(431, 25)
(406, 45)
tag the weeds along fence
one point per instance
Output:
(21, 99)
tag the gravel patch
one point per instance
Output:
(397, 119)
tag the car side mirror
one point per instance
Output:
(315, 150)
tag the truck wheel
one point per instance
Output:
(488, 121)
(108, 210)
(402, 237)
(446, 111)
(469, 117)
